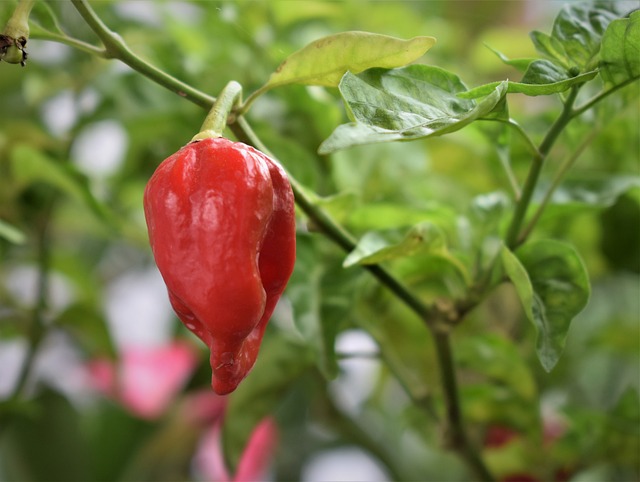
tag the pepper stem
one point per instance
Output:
(16, 33)
(18, 25)
(218, 117)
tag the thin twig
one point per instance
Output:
(559, 176)
(513, 238)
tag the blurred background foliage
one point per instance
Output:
(80, 136)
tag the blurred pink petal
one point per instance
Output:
(102, 376)
(204, 407)
(258, 452)
(151, 377)
(254, 461)
(147, 378)
(208, 458)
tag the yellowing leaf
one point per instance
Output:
(325, 61)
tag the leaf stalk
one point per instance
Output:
(513, 238)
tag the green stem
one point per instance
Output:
(116, 48)
(559, 176)
(598, 97)
(244, 107)
(42, 34)
(455, 435)
(37, 328)
(513, 239)
(18, 25)
(216, 121)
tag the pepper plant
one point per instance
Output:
(472, 212)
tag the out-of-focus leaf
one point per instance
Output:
(553, 286)
(489, 208)
(43, 18)
(576, 34)
(119, 442)
(406, 104)
(281, 362)
(89, 328)
(422, 239)
(599, 192)
(498, 359)
(30, 165)
(620, 55)
(619, 240)
(391, 326)
(11, 233)
(385, 215)
(312, 291)
(575, 196)
(339, 206)
(325, 61)
(378, 246)
(53, 432)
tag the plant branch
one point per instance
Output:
(244, 107)
(559, 176)
(37, 326)
(221, 113)
(513, 238)
(18, 24)
(39, 33)
(601, 95)
(115, 47)
(455, 434)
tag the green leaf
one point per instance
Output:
(520, 64)
(30, 165)
(44, 19)
(424, 238)
(326, 60)
(385, 215)
(86, 324)
(553, 286)
(497, 359)
(598, 192)
(620, 57)
(489, 209)
(542, 78)
(11, 233)
(378, 246)
(281, 362)
(544, 72)
(53, 431)
(309, 294)
(576, 34)
(339, 206)
(406, 104)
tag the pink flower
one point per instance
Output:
(203, 407)
(254, 460)
(147, 379)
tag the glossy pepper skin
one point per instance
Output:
(221, 222)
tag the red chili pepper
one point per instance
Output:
(221, 224)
